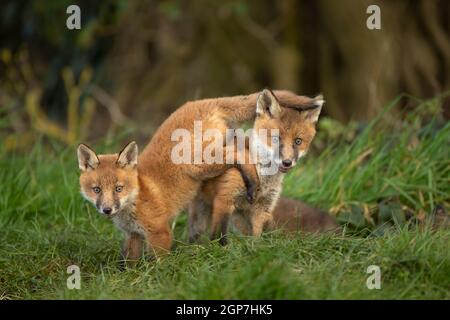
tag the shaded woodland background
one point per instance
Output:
(134, 62)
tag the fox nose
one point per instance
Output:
(286, 163)
(107, 210)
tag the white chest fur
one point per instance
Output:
(271, 186)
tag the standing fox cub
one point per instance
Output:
(221, 197)
(142, 194)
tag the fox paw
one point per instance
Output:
(251, 184)
(251, 194)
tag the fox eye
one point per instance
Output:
(275, 139)
(119, 189)
(96, 189)
(298, 141)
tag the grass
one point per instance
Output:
(371, 183)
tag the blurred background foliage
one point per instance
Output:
(134, 62)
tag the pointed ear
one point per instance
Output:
(312, 113)
(128, 156)
(267, 104)
(87, 159)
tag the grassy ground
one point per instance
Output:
(373, 184)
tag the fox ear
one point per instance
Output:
(128, 156)
(87, 159)
(312, 113)
(268, 104)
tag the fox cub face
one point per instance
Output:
(296, 128)
(109, 181)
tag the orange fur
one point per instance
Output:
(160, 188)
(224, 196)
(293, 215)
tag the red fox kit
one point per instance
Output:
(224, 195)
(142, 194)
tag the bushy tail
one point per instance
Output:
(243, 108)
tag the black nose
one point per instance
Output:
(286, 163)
(107, 210)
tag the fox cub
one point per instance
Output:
(221, 197)
(143, 193)
(292, 216)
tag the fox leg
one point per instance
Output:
(160, 239)
(199, 218)
(247, 170)
(223, 208)
(132, 248)
(260, 222)
(251, 180)
(155, 220)
(232, 157)
(219, 226)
